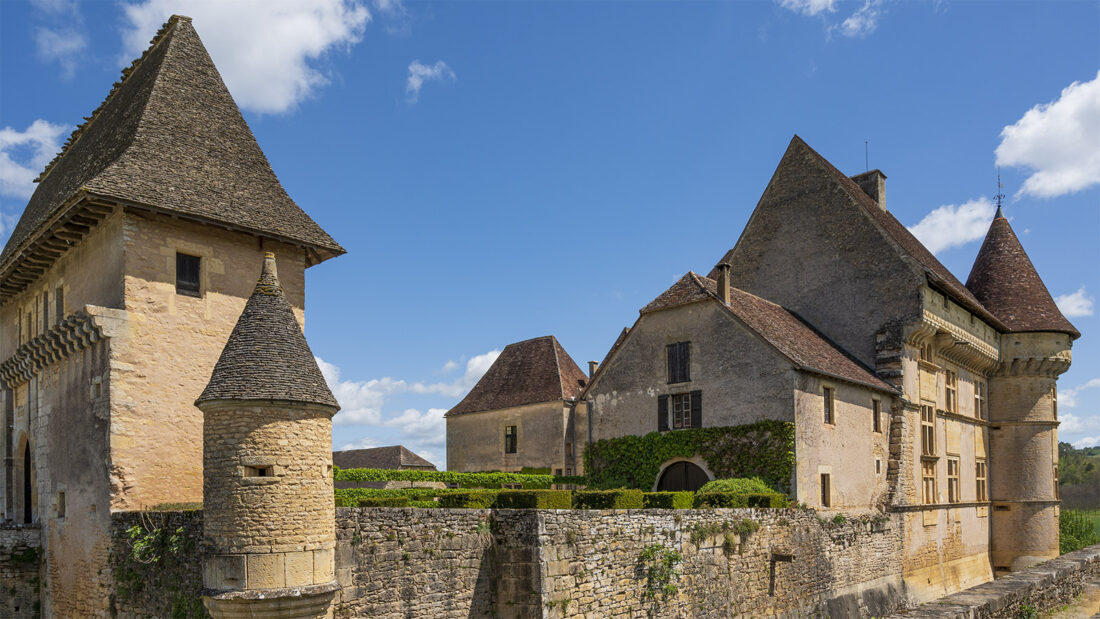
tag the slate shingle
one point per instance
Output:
(267, 357)
(394, 457)
(170, 137)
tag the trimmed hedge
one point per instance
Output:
(383, 501)
(764, 449)
(534, 499)
(476, 499)
(668, 500)
(705, 500)
(607, 499)
(740, 485)
(464, 480)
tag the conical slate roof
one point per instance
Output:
(170, 138)
(528, 372)
(267, 357)
(1006, 283)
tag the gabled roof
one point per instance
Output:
(528, 372)
(908, 245)
(395, 457)
(170, 138)
(267, 357)
(1006, 282)
(614, 347)
(784, 330)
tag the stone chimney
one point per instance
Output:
(873, 183)
(592, 366)
(723, 282)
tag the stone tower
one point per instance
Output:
(269, 516)
(1023, 413)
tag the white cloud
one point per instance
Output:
(1068, 398)
(1073, 424)
(63, 46)
(864, 21)
(1076, 304)
(950, 226)
(1088, 441)
(1058, 141)
(363, 443)
(809, 7)
(267, 51)
(420, 73)
(450, 366)
(427, 428)
(24, 154)
(361, 402)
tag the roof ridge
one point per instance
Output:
(162, 35)
(557, 363)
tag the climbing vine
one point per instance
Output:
(153, 565)
(764, 449)
(660, 566)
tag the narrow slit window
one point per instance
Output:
(45, 311)
(876, 415)
(829, 404)
(187, 275)
(61, 504)
(826, 490)
(1054, 401)
(59, 304)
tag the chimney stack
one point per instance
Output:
(873, 183)
(592, 365)
(724, 282)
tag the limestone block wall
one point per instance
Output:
(742, 379)
(163, 358)
(20, 572)
(475, 441)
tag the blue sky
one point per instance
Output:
(500, 171)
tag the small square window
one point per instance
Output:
(258, 471)
(187, 275)
(510, 442)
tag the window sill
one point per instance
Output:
(926, 458)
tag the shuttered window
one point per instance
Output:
(187, 275)
(679, 411)
(679, 362)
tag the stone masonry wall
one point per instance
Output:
(572, 563)
(20, 572)
(163, 576)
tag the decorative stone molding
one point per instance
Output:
(76, 332)
(1049, 367)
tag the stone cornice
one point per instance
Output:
(954, 343)
(1050, 367)
(76, 332)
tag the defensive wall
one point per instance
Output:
(707, 563)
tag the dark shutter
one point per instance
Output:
(685, 361)
(662, 412)
(187, 275)
(696, 409)
(670, 355)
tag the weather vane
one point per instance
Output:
(1000, 189)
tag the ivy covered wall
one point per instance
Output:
(763, 449)
(156, 563)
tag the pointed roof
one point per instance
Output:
(1006, 282)
(170, 138)
(528, 372)
(394, 457)
(267, 357)
(794, 338)
(938, 276)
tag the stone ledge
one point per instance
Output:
(1004, 596)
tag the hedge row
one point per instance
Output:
(566, 499)
(462, 480)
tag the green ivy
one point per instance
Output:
(152, 567)
(764, 449)
(464, 480)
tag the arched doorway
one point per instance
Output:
(682, 475)
(27, 483)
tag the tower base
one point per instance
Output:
(312, 602)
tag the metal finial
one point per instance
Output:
(1000, 196)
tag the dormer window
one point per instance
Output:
(187, 275)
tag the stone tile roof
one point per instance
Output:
(1007, 284)
(267, 357)
(528, 372)
(169, 137)
(784, 330)
(395, 457)
(938, 275)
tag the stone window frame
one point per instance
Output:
(828, 404)
(950, 390)
(680, 410)
(981, 480)
(981, 399)
(825, 482)
(928, 430)
(953, 479)
(929, 492)
(186, 289)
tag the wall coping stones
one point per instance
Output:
(1003, 596)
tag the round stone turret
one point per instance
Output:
(1023, 401)
(269, 516)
